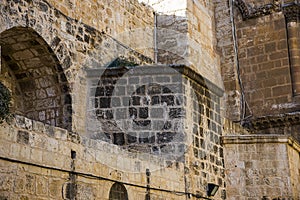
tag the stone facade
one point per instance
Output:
(185, 35)
(262, 166)
(150, 99)
(261, 90)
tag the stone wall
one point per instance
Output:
(71, 45)
(202, 40)
(256, 36)
(171, 31)
(32, 72)
(261, 167)
(141, 108)
(186, 35)
(203, 124)
(101, 81)
(8, 80)
(41, 161)
(255, 39)
(294, 160)
(86, 166)
(264, 58)
(225, 47)
(167, 111)
(94, 117)
(132, 24)
(264, 61)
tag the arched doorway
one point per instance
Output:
(32, 72)
(118, 192)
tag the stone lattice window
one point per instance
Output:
(118, 192)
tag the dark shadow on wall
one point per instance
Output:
(30, 69)
(137, 113)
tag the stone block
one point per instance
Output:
(55, 188)
(19, 184)
(6, 183)
(24, 152)
(36, 155)
(5, 148)
(60, 133)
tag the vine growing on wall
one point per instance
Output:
(5, 98)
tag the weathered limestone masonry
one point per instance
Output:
(262, 40)
(164, 109)
(291, 12)
(127, 20)
(39, 161)
(226, 50)
(91, 122)
(262, 166)
(58, 46)
(96, 116)
(185, 35)
(44, 162)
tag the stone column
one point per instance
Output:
(292, 16)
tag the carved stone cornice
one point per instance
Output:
(255, 12)
(243, 9)
(262, 139)
(291, 12)
(273, 121)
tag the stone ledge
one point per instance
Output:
(88, 150)
(27, 124)
(232, 128)
(152, 69)
(263, 139)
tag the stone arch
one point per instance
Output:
(118, 192)
(45, 20)
(31, 70)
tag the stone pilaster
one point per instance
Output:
(292, 15)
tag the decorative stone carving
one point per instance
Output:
(272, 121)
(255, 12)
(291, 12)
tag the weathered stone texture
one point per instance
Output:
(201, 40)
(229, 66)
(59, 46)
(37, 78)
(264, 60)
(267, 71)
(185, 35)
(157, 118)
(132, 24)
(144, 116)
(93, 111)
(291, 13)
(258, 168)
(47, 170)
(257, 44)
(264, 64)
(294, 160)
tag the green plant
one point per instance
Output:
(5, 98)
